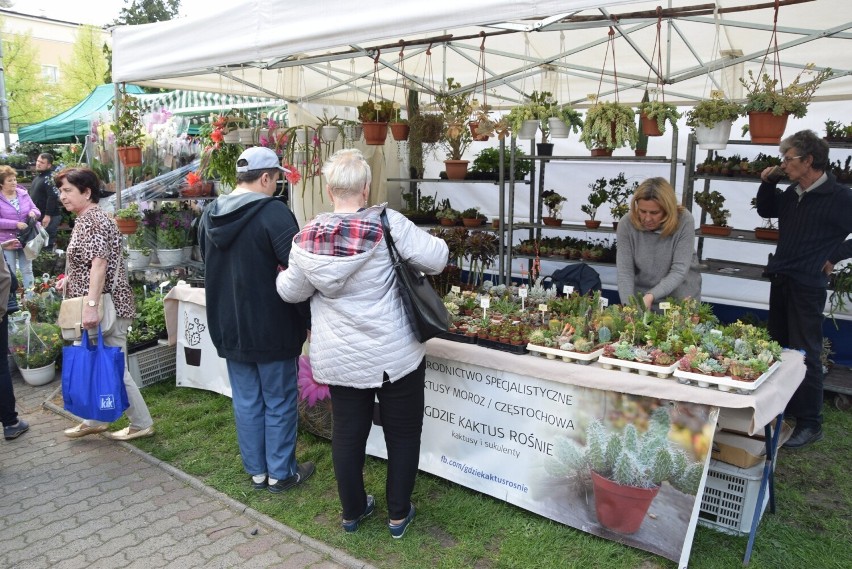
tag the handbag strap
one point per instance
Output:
(392, 250)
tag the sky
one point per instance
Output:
(97, 12)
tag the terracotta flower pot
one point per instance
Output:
(399, 130)
(767, 234)
(602, 151)
(477, 137)
(551, 221)
(766, 128)
(130, 156)
(127, 226)
(456, 169)
(621, 508)
(649, 126)
(446, 221)
(720, 230)
(472, 221)
(593, 223)
(375, 133)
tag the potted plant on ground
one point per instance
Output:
(374, 117)
(128, 130)
(455, 107)
(597, 197)
(655, 114)
(713, 204)
(35, 346)
(711, 121)
(768, 109)
(627, 469)
(553, 202)
(128, 218)
(608, 126)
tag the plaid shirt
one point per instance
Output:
(337, 236)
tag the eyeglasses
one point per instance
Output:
(788, 159)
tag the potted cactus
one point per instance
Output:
(627, 469)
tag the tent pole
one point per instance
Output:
(119, 178)
(4, 104)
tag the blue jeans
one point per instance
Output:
(795, 321)
(401, 411)
(17, 259)
(264, 399)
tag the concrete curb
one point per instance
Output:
(233, 505)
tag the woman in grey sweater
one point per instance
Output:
(656, 247)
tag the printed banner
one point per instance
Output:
(623, 467)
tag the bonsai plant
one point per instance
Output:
(597, 197)
(764, 103)
(713, 202)
(128, 218)
(128, 130)
(609, 126)
(654, 116)
(553, 202)
(711, 121)
(456, 108)
(618, 196)
(627, 465)
(768, 231)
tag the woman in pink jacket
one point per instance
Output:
(15, 207)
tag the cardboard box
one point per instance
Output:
(741, 450)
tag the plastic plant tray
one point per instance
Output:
(461, 338)
(510, 348)
(639, 367)
(726, 383)
(566, 355)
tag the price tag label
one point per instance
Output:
(456, 289)
(485, 301)
(567, 289)
(542, 307)
(665, 305)
(604, 302)
(522, 292)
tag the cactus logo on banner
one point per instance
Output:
(106, 402)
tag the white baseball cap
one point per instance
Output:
(259, 158)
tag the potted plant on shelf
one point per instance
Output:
(374, 117)
(128, 218)
(608, 126)
(35, 346)
(711, 121)
(471, 217)
(768, 109)
(553, 202)
(128, 130)
(139, 249)
(618, 196)
(713, 202)
(448, 216)
(218, 158)
(837, 132)
(768, 232)
(482, 126)
(172, 226)
(597, 197)
(455, 107)
(655, 114)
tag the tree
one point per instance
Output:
(86, 68)
(27, 92)
(147, 12)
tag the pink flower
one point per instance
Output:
(310, 390)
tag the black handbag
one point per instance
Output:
(425, 309)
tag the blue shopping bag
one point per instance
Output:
(93, 380)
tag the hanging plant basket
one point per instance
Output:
(715, 137)
(766, 128)
(352, 132)
(329, 133)
(558, 128)
(649, 126)
(130, 156)
(477, 137)
(528, 129)
(399, 130)
(375, 133)
(127, 226)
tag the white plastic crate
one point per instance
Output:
(152, 365)
(730, 495)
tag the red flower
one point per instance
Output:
(217, 136)
(192, 178)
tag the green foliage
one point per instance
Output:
(709, 112)
(35, 344)
(456, 108)
(371, 111)
(762, 95)
(30, 97)
(609, 125)
(147, 12)
(86, 67)
(713, 203)
(596, 198)
(661, 112)
(619, 195)
(128, 127)
(130, 212)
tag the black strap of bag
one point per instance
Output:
(425, 309)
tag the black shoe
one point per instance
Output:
(259, 485)
(303, 472)
(16, 430)
(804, 436)
(352, 525)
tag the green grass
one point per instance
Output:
(457, 527)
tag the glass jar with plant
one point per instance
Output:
(655, 114)
(609, 125)
(596, 198)
(768, 108)
(128, 129)
(711, 121)
(713, 204)
(553, 201)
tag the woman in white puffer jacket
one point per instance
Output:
(362, 344)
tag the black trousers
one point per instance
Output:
(401, 412)
(8, 415)
(795, 321)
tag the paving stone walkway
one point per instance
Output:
(93, 503)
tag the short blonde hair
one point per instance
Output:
(662, 192)
(7, 172)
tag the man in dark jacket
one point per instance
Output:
(244, 237)
(46, 198)
(814, 222)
